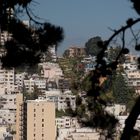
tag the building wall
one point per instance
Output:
(8, 117)
(116, 109)
(40, 120)
(19, 103)
(31, 83)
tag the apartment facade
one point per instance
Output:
(62, 101)
(30, 84)
(75, 52)
(36, 120)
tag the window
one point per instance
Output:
(42, 125)
(42, 110)
(42, 120)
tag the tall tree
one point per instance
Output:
(121, 92)
(92, 46)
(28, 43)
(112, 54)
(103, 69)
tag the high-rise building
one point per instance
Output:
(35, 120)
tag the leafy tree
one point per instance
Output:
(112, 54)
(28, 43)
(121, 92)
(32, 95)
(103, 69)
(92, 46)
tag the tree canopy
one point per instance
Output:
(27, 43)
(103, 69)
(92, 46)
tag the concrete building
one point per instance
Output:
(116, 109)
(4, 36)
(62, 101)
(40, 83)
(19, 80)
(8, 109)
(52, 50)
(51, 70)
(129, 58)
(35, 120)
(7, 79)
(67, 122)
(8, 101)
(75, 52)
(4, 134)
(8, 117)
(78, 134)
(8, 82)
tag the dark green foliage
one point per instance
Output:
(60, 113)
(97, 117)
(113, 52)
(137, 47)
(28, 43)
(32, 95)
(121, 92)
(136, 5)
(93, 46)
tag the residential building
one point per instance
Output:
(64, 84)
(8, 101)
(78, 134)
(4, 36)
(8, 109)
(116, 109)
(4, 134)
(7, 79)
(8, 117)
(129, 58)
(62, 101)
(31, 83)
(19, 80)
(51, 70)
(67, 122)
(75, 52)
(35, 120)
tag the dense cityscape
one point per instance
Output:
(41, 103)
(90, 92)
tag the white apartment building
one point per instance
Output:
(7, 79)
(122, 120)
(8, 117)
(130, 66)
(133, 79)
(51, 70)
(129, 58)
(19, 80)
(4, 135)
(52, 50)
(62, 101)
(30, 84)
(5, 36)
(116, 109)
(10, 82)
(8, 101)
(67, 122)
(77, 134)
(8, 108)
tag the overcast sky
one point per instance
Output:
(83, 19)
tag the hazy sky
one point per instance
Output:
(83, 19)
